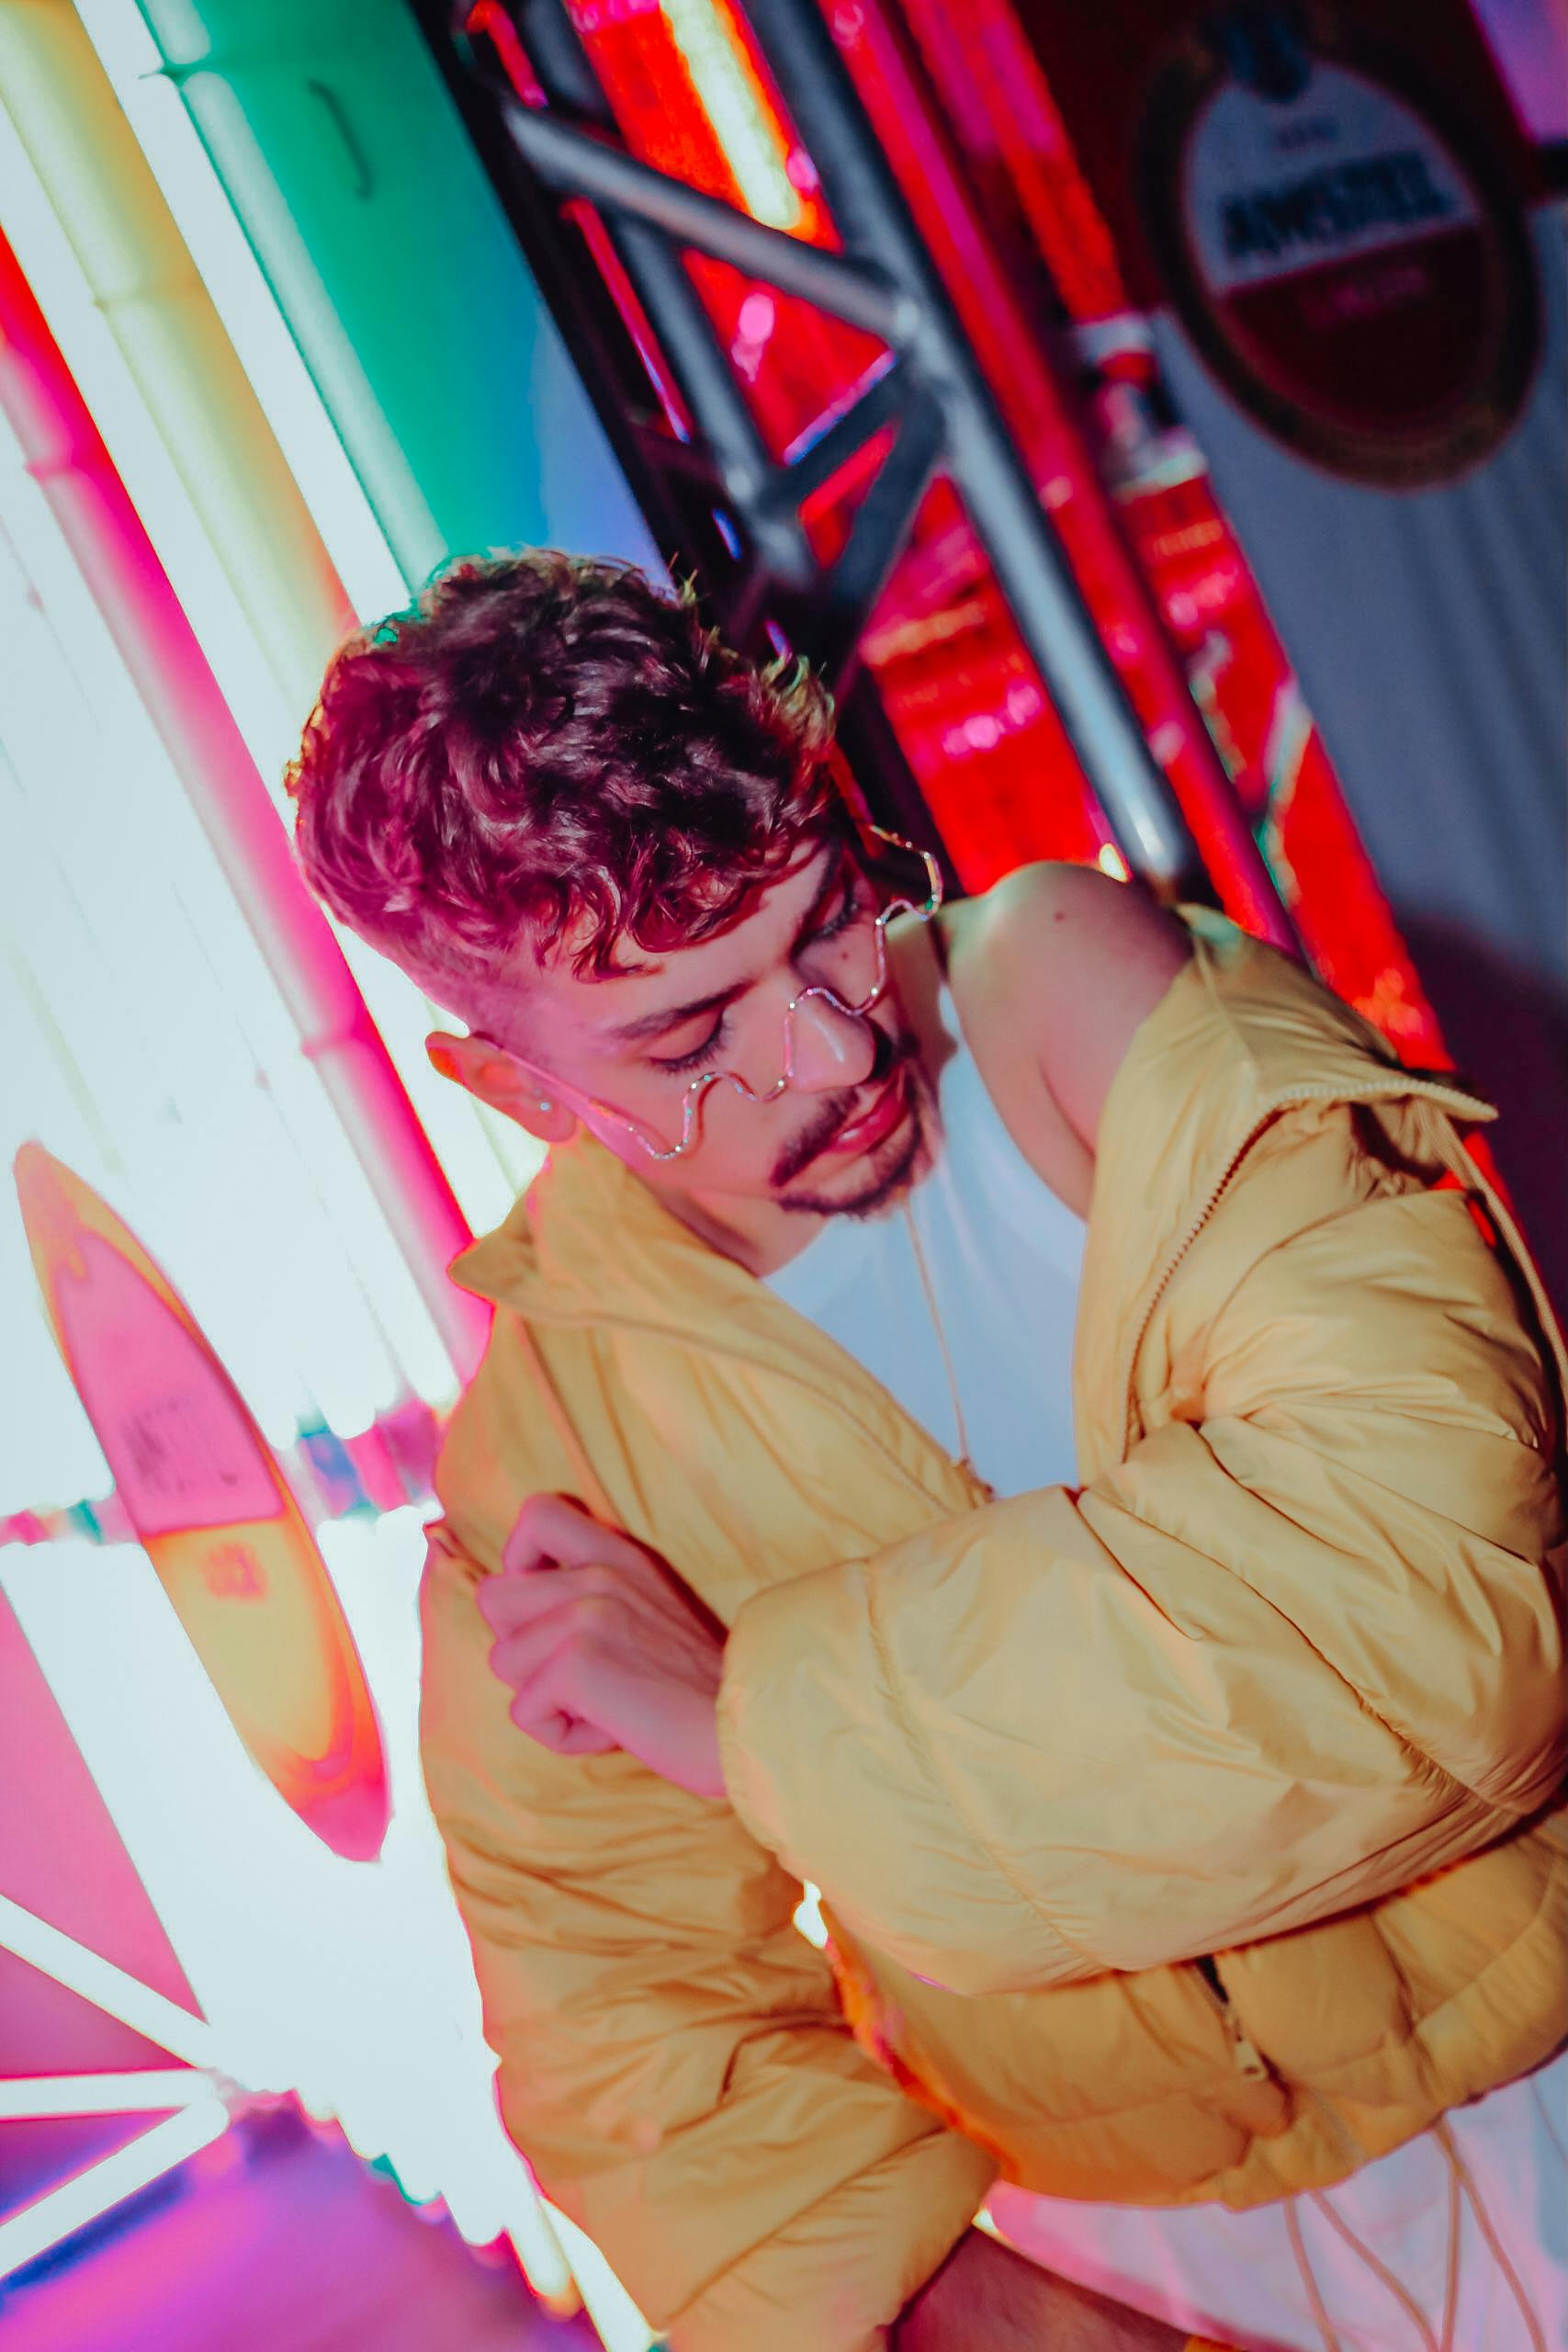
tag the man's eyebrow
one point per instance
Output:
(654, 1024)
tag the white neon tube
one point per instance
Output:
(111, 1989)
(722, 76)
(244, 300)
(70, 2207)
(539, 2250)
(621, 2327)
(32, 2098)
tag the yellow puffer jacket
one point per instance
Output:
(1185, 1836)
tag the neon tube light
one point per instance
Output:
(111, 1989)
(727, 86)
(25, 2235)
(30, 2098)
(232, 276)
(66, 456)
(621, 2325)
(268, 1947)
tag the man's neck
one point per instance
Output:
(758, 1234)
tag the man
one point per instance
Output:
(1176, 1771)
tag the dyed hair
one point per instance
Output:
(548, 747)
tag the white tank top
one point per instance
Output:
(1005, 1257)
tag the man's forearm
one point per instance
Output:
(988, 2299)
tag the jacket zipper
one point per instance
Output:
(1250, 2059)
(1251, 2062)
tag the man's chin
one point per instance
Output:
(874, 1182)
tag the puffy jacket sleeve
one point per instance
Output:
(672, 2061)
(1300, 1647)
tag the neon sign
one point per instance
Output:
(210, 1506)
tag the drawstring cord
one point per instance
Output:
(1461, 2185)
(1466, 2180)
(1381, 2270)
(1309, 2279)
(1450, 2273)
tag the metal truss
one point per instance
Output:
(757, 566)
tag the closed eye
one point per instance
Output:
(699, 1054)
(848, 908)
(848, 911)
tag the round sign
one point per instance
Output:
(1340, 246)
(212, 1510)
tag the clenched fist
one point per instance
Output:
(604, 1646)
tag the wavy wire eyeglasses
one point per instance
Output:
(696, 1094)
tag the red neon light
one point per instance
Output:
(969, 124)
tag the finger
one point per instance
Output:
(579, 1738)
(566, 1636)
(563, 1733)
(530, 1651)
(551, 1531)
(535, 1667)
(547, 1704)
(507, 1603)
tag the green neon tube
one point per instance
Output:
(402, 284)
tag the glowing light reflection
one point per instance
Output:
(348, 1984)
(48, 2219)
(725, 81)
(147, 2091)
(107, 1987)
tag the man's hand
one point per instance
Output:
(604, 1646)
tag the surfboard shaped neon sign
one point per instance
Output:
(210, 1504)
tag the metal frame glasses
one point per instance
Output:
(701, 1087)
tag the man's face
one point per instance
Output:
(843, 1139)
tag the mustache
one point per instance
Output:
(836, 1110)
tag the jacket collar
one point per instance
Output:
(1241, 1033)
(590, 1247)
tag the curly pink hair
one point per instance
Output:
(548, 748)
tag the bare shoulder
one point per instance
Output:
(1060, 967)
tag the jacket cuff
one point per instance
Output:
(840, 2275)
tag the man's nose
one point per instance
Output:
(832, 1050)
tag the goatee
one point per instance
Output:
(890, 1173)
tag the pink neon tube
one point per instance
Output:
(65, 456)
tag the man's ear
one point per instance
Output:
(502, 1082)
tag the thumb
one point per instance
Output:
(551, 1531)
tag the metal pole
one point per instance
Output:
(699, 367)
(983, 460)
(575, 160)
(708, 385)
(934, 385)
(878, 535)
